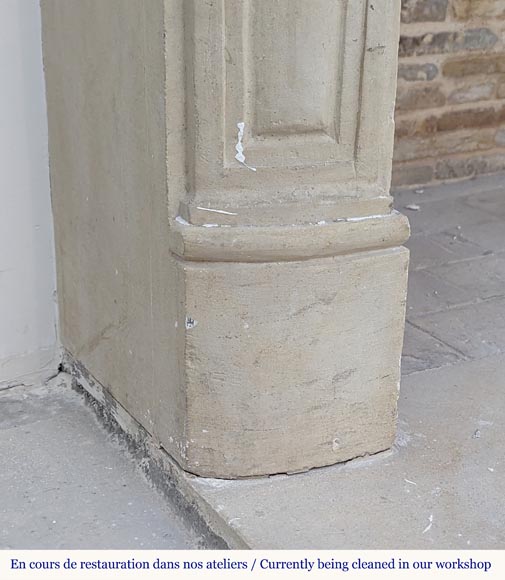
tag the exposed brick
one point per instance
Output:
(424, 10)
(479, 117)
(405, 128)
(425, 97)
(449, 120)
(473, 92)
(447, 114)
(411, 174)
(417, 72)
(427, 125)
(444, 42)
(440, 144)
(500, 137)
(474, 65)
(467, 9)
(453, 168)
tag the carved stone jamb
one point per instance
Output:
(229, 265)
(287, 243)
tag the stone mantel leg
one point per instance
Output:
(229, 265)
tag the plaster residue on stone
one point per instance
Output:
(239, 147)
(428, 527)
(216, 210)
(362, 218)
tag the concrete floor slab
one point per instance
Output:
(65, 483)
(441, 487)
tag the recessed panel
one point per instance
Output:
(295, 53)
(288, 99)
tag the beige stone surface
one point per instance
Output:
(441, 486)
(208, 173)
(279, 379)
(117, 287)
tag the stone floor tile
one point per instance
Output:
(428, 293)
(491, 202)
(421, 352)
(480, 279)
(441, 215)
(450, 190)
(427, 251)
(489, 236)
(477, 330)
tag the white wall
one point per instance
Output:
(28, 337)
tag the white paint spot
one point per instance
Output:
(413, 207)
(182, 221)
(204, 431)
(428, 527)
(239, 147)
(321, 223)
(190, 323)
(490, 469)
(210, 225)
(216, 210)
(411, 482)
(176, 324)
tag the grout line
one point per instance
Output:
(446, 344)
(461, 305)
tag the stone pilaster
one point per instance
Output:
(236, 277)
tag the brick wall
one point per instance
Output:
(450, 111)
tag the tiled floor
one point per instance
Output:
(456, 303)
